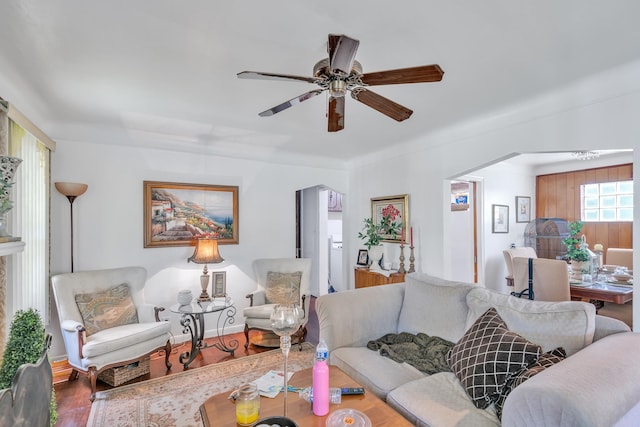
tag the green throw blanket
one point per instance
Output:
(425, 353)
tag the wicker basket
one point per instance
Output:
(121, 374)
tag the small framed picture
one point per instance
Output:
(363, 257)
(500, 218)
(219, 284)
(523, 209)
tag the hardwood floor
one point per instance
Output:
(73, 397)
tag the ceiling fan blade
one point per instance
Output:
(336, 113)
(381, 104)
(342, 52)
(420, 74)
(272, 76)
(290, 103)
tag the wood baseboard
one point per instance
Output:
(61, 371)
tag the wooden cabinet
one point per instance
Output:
(365, 278)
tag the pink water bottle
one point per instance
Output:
(321, 380)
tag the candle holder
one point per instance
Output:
(401, 269)
(411, 260)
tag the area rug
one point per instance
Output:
(174, 400)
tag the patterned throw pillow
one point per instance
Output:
(544, 361)
(106, 309)
(487, 356)
(283, 288)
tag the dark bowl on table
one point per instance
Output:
(281, 421)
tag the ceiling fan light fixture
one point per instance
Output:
(337, 88)
(586, 155)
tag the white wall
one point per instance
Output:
(502, 182)
(109, 217)
(461, 235)
(597, 113)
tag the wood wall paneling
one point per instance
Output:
(558, 196)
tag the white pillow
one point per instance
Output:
(434, 306)
(567, 324)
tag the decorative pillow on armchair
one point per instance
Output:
(489, 355)
(107, 309)
(283, 288)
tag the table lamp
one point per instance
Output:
(206, 252)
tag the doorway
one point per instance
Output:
(319, 237)
(463, 231)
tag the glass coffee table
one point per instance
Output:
(192, 319)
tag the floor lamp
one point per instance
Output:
(72, 190)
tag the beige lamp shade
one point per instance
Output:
(206, 252)
(73, 189)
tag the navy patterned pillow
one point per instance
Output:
(488, 355)
(544, 361)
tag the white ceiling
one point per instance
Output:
(163, 72)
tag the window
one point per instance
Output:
(29, 270)
(607, 201)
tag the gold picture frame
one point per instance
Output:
(401, 205)
(175, 214)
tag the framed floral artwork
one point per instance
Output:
(175, 214)
(396, 208)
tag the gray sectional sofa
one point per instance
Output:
(597, 384)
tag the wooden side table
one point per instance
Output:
(365, 278)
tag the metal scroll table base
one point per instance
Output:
(193, 323)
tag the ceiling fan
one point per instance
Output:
(340, 72)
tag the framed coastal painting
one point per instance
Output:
(175, 214)
(523, 209)
(500, 218)
(397, 207)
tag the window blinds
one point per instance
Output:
(28, 278)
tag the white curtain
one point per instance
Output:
(28, 271)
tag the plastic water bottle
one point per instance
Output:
(321, 380)
(335, 395)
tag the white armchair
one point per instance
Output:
(105, 321)
(280, 280)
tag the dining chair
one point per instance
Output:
(620, 256)
(550, 279)
(511, 253)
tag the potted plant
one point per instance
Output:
(373, 233)
(577, 253)
(25, 345)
